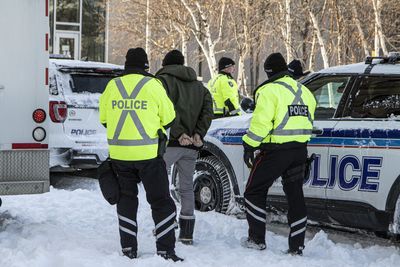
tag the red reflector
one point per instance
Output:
(39, 115)
(29, 146)
(46, 81)
(47, 42)
(47, 8)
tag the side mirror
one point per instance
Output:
(247, 104)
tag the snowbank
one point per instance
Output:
(78, 228)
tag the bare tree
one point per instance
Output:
(208, 42)
(359, 28)
(377, 4)
(318, 33)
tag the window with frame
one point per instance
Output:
(376, 97)
(68, 11)
(328, 91)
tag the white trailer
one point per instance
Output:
(24, 60)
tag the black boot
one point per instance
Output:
(186, 225)
(252, 243)
(169, 256)
(295, 252)
(129, 252)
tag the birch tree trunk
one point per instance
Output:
(184, 40)
(251, 67)
(241, 21)
(376, 42)
(208, 44)
(321, 41)
(377, 4)
(184, 46)
(360, 30)
(288, 22)
(312, 53)
(339, 32)
(147, 46)
(241, 75)
(257, 70)
(286, 29)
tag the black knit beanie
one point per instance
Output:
(225, 62)
(296, 69)
(136, 57)
(173, 57)
(274, 64)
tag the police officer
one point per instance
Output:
(136, 112)
(224, 90)
(280, 128)
(296, 69)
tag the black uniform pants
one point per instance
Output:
(270, 164)
(152, 173)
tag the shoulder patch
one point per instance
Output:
(230, 83)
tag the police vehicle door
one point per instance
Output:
(328, 91)
(364, 151)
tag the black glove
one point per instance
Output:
(248, 155)
(308, 166)
(162, 143)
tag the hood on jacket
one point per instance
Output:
(181, 72)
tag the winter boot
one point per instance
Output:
(295, 252)
(248, 242)
(169, 256)
(186, 225)
(129, 252)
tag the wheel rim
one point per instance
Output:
(206, 193)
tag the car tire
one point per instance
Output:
(211, 185)
(395, 225)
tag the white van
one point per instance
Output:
(77, 139)
(24, 117)
(355, 178)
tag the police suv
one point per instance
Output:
(77, 139)
(355, 177)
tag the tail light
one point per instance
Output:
(58, 111)
(39, 115)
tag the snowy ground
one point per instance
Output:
(76, 227)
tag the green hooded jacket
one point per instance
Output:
(192, 101)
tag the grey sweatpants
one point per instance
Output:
(185, 162)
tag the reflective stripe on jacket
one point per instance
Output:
(284, 113)
(134, 108)
(224, 88)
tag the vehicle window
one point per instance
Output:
(376, 97)
(89, 83)
(328, 91)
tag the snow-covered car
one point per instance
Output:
(355, 177)
(77, 139)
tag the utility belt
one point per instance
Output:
(268, 147)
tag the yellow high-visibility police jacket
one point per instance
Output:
(284, 113)
(134, 108)
(224, 88)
